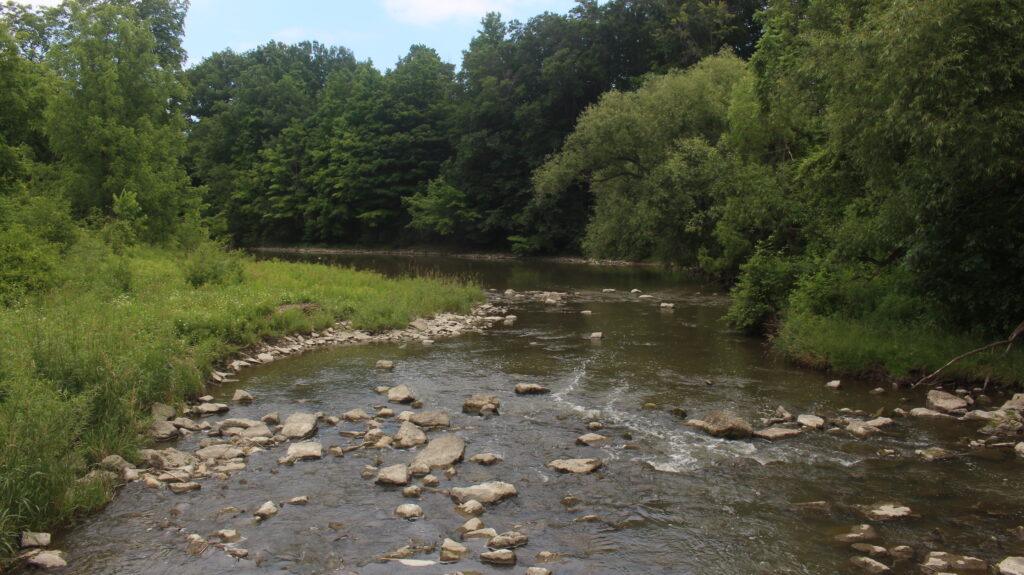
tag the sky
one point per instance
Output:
(378, 30)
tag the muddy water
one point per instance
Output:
(668, 500)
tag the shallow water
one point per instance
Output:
(669, 499)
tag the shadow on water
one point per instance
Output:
(668, 499)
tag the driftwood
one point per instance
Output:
(1007, 342)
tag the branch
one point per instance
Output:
(1007, 342)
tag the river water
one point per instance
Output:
(669, 499)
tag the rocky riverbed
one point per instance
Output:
(516, 450)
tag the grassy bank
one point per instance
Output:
(82, 362)
(893, 350)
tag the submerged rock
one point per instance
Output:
(489, 492)
(723, 424)
(575, 465)
(869, 565)
(485, 459)
(773, 433)
(934, 454)
(385, 364)
(531, 389)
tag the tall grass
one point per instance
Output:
(80, 364)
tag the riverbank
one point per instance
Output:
(83, 362)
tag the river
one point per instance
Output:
(668, 499)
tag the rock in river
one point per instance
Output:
(442, 451)
(773, 433)
(304, 450)
(47, 560)
(944, 402)
(409, 511)
(266, 510)
(452, 551)
(508, 540)
(393, 475)
(869, 565)
(409, 435)
(490, 492)
(429, 419)
(169, 458)
(591, 439)
(812, 421)
(723, 424)
(1011, 566)
(499, 557)
(481, 403)
(299, 426)
(162, 430)
(886, 511)
(575, 465)
(30, 539)
(531, 389)
(401, 394)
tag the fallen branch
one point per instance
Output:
(1007, 342)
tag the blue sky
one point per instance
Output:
(380, 30)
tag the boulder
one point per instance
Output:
(409, 511)
(299, 426)
(575, 465)
(531, 389)
(162, 430)
(944, 402)
(242, 395)
(1011, 566)
(401, 394)
(1015, 403)
(723, 424)
(169, 458)
(393, 475)
(481, 403)
(162, 412)
(430, 419)
(773, 433)
(499, 557)
(812, 421)
(115, 463)
(304, 450)
(442, 451)
(869, 565)
(489, 492)
(409, 435)
(30, 539)
(925, 412)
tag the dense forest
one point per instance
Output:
(851, 167)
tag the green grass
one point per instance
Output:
(897, 350)
(81, 363)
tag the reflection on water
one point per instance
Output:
(668, 500)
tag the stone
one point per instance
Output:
(481, 403)
(401, 394)
(872, 550)
(862, 429)
(409, 511)
(591, 439)
(229, 536)
(723, 424)
(887, 512)
(487, 533)
(499, 557)
(355, 415)
(811, 421)
(385, 364)
(944, 402)
(489, 492)
(299, 426)
(452, 551)
(237, 552)
(31, 539)
(879, 422)
(272, 418)
(485, 459)
(575, 465)
(219, 451)
(1019, 449)
(595, 426)
(471, 508)
(531, 389)
(180, 488)
(48, 560)
(393, 475)
(1015, 403)
(266, 511)
(1011, 566)
(305, 450)
(419, 469)
(666, 305)
(430, 480)
(196, 545)
(162, 412)
(265, 358)
(538, 571)
(169, 458)
(934, 454)
(857, 534)
(508, 540)
(301, 500)
(114, 463)
(608, 290)
(773, 433)
(186, 423)
(941, 562)
(256, 431)
(902, 552)
(442, 451)
(162, 430)
(412, 491)
(384, 413)
(409, 435)
(597, 335)
(210, 408)
(834, 384)
(430, 419)
(925, 412)
(869, 565)
(472, 524)
(242, 396)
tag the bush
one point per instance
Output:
(27, 264)
(762, 292)
(212, 264)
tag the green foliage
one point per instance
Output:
(26, 264)
(762, 292)
(211, 264)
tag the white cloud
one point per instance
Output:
(434, 11)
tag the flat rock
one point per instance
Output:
(442, 451)
(925, 412)
(862, 429)
(431, 419)
(481, 403)
(944, 402)
(258, 430)
(409, 511)
(575, 465)
(723, 424)
(266, 510)
(489, 492)
(305, 450)
(161, 411)
(1015, 403)
(485, 459)
(471, 508)
(857, 534)
(169, 458)
(180, 488)
(48, 560)
(812, 421)
(32, 539)
(531, 389)
(409, 435)
(393, 475)
(210, 408)
(591, 439)
(229, 536)
(163, 430)
(220, 451)
(241, 395)
(834, 384)
(869, 565)
(508, 540)
(385, 364)
(355, 415)
(1011, 566)
(942, 562)
(452, 551)
(773, 433)
(401, 394)
(887, 512)
(934, 454)
(499, 557)
(299, 426)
